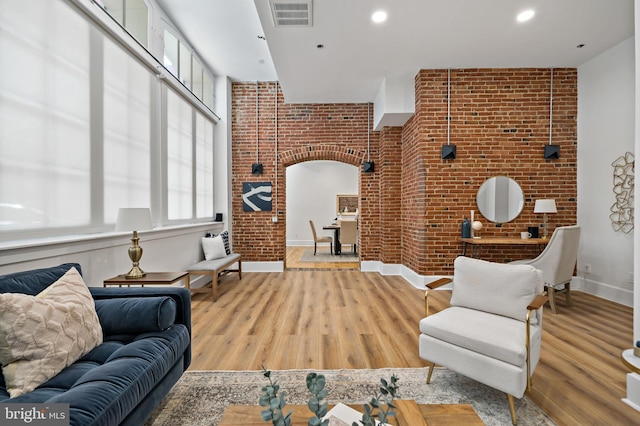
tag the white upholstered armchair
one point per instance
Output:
(492, 332)
(557, 262)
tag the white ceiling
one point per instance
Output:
(418, 34)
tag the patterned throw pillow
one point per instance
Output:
(42, 335)
(225, 238)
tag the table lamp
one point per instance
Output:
(134, 219)
(545, 206)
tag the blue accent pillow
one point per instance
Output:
(135, 315)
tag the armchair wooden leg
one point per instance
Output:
(552, 300)
(567, 289)
(431, 366)
(512, 408)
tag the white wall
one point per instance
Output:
(312, 187)
(104, 255)
(606, 131)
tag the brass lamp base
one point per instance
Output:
(135, 254)
(135, 272)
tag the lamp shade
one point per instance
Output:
(134, 219)
(545, 206)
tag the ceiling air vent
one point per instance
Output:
(292, 13)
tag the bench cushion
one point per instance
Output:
(215, 264)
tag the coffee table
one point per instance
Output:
(408, 414)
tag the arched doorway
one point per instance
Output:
(345, 157)
(312, 190)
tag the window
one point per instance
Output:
(84, 127)
(44, 132)
(179, 157)
(170, 60)
(127, 124)
(131, 14)
(184, 68)
(204, 167)
(179, 61)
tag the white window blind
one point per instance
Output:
(127, 126)
(204, 167)
(179, 157)
(44, 116)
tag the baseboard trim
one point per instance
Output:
(262, 266)
(604, 291)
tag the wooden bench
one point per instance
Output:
(216, 268)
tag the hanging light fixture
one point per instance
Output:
(448, 150)
(551, 152)
(256, 168)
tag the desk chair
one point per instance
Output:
(349, 233)
(557, 262)
(317, 239)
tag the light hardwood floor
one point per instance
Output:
(331, 319)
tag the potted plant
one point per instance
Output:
(379, 408)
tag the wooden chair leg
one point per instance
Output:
(512, 408)
(552, 300)
(315, 247)
(431, 365)
(567, 290)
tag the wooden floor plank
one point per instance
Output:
(341, 318)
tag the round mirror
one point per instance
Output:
(500, 199)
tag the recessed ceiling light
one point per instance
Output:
(379, 16)
(525, 16)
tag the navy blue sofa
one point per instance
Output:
(146, 348)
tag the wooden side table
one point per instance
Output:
(152, 278)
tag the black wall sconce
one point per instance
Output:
(367, 167)
(551, 152)
(256, 169)
(448, 152)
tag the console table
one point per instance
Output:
(477, 243)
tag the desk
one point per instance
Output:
(152, 278)
(408, 413)
(477, 243)
(337, 247)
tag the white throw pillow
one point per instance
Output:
(42, 335)
(213, 247)
(498, 288)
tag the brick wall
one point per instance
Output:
(305, 132)
(411, 207)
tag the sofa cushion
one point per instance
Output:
(497, 288)
(213, 247)
(135, 315)
(34, 281)
(41, 335)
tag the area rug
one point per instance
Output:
(323, 255)
(200, 397)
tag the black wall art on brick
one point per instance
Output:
(256, 196)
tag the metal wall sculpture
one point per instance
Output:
(622, 210)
